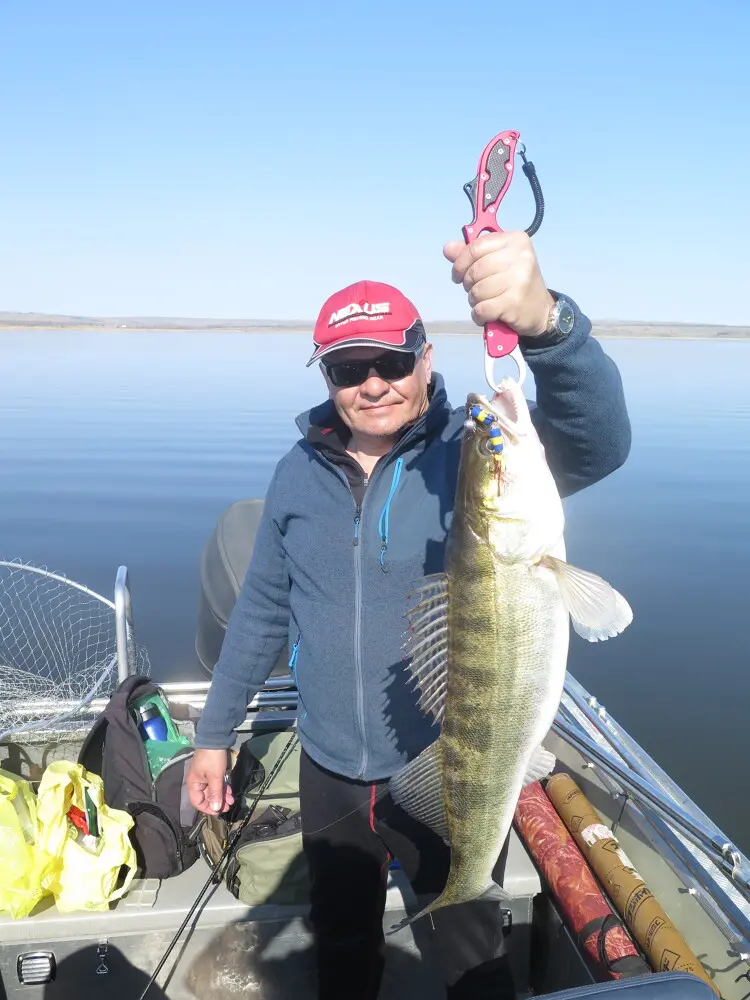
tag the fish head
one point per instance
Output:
(506, 489)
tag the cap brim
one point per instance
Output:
(411, 338)
(361, 342)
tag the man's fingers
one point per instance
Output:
(506, 306)
(197, 792)
(488, 310)
(452, 249)
(488, 281)
(464, 255)
(501, 274)
(215, 793)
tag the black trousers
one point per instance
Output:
(351, 832)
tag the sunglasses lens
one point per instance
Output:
(346, 374)
(394, 366)
(390, 367)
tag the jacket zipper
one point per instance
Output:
(358, 638)
(293, 658)
(360, 694)
(293, 668)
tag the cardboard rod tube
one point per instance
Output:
(665, 947)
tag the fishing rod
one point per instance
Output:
(225, 854)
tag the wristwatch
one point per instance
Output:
(561, 319)
(559, 324)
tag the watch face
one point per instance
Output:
(565, 318)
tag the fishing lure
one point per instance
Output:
(484, 417)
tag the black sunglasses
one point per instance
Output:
(390, 367)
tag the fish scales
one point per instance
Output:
(503, 623)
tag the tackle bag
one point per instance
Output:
(268, 865)
(88, 837)
(26, 872)
(145, 775)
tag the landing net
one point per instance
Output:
(58, 651)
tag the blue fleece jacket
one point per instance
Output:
(331, 577)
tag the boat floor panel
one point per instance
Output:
(229, 947)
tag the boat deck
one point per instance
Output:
(228, 947)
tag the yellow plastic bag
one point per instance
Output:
(26, 872)
(75, 825)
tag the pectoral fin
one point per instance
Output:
(541, 764)
(418, 787)
(596, 609)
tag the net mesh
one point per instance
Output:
(58, 647)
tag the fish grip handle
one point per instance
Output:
(485, 194)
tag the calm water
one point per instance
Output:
(125, 448)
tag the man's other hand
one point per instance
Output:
(209, 792)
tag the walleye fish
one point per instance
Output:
(489, 643)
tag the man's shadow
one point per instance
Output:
(275, 959)
(81, 975)
(263, 958)
(259, 960)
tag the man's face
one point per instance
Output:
(377, 407)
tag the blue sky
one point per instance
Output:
(241, 159)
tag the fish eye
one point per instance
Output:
(486, 446)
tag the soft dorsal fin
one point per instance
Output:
(418, 789)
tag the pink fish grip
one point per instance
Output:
(485, 192)
(499, 340)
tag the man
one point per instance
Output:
(357, 511)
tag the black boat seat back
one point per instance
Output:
(658, 986)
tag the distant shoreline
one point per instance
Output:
(602, 329)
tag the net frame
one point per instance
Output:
(59, 648)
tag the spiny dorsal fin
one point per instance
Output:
(427, 643)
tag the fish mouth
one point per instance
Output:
(503, 406)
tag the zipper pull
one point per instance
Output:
(356, 526)
(293, 658)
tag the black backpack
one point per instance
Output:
(161, 810)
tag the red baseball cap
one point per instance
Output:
(367, 314)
